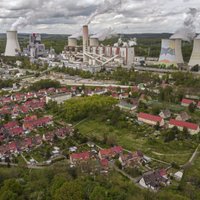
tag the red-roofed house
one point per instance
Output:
(12, 146)
(11, 125)
(192, 128)
(79, 157)
(198, 105)
(110, 153)
(16, 131)
(30, 118)
(104, 164)
(187, 102)
(151, 119)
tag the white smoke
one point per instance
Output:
(77, 35)
(188, 31)
(21, 22)
(107, 7)
(105, 34)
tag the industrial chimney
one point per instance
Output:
(171, 52)
(94, 42)
(72, 42)
(85, 42)
(195, 58)
(12, 45)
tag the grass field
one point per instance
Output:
(134, 139)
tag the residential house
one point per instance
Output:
(151, 119)
(17, 131)
(110, 153)
(154, 180)
(165, 114)
(44, 121)
(191, 127)
(79, 157)
(131, 159)
(11, 125)
(59, 98)
(198, 105)
(183, 116)
(187, 102)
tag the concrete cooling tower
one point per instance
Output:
(94, 42)
(195, 58)
(171, 52)
(12, 45)
(72, 42)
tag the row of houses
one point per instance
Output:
(13, 128)
(28, 143)
(157, 120)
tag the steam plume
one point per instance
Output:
(106, 7)
(105, 34)
(188, 31)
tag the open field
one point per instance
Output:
(176, 151)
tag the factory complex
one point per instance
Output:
(91, 55)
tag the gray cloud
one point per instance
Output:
(67, 16)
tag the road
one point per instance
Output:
(192, 158)
(163, 70)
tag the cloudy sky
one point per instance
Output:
(67, 16)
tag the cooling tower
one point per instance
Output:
(12, 45)
(195, 58)
(85, 42)
(72, 42)
(94, 42)
(171, 52)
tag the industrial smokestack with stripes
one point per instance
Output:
(85, 42)
(171, 52)
(12, 45)
(195, 58)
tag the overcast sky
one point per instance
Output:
(67, 16)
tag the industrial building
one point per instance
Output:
(94, 54)
(35, 47)
(12, 44)
(171, 52)
(195, 57)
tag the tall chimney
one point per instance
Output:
(12, 45)
(85, 42)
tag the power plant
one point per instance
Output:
(12, 44)
(195, 58)
(171, 52)
(35, 47)
(93, 53)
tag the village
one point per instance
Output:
(30, 135)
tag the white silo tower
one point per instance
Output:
(195, 57)
(171, 52)
(12, 45)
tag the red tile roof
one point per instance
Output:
(183, 124)
(11, 125)
(187, 101)
(150, 117)
(80, 156)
